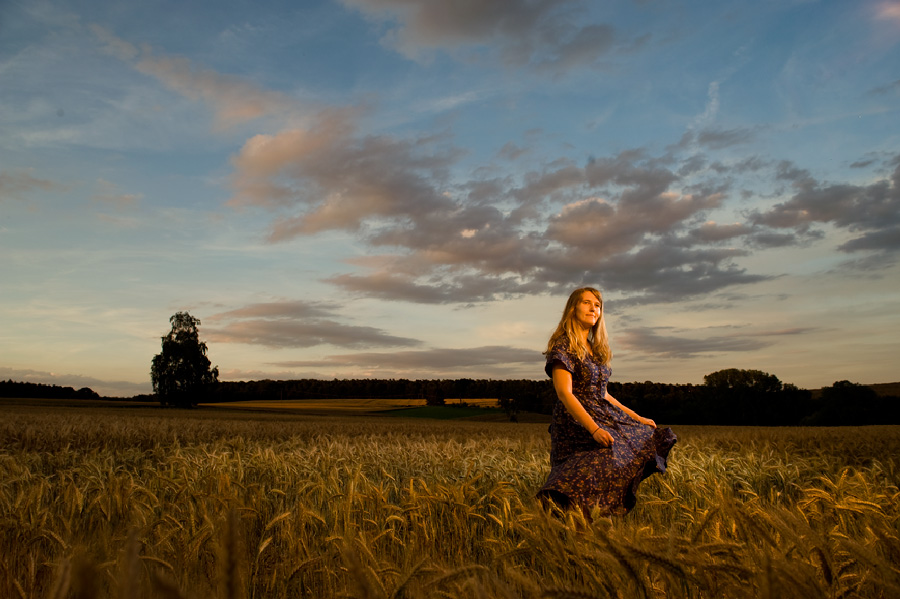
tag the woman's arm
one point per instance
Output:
(629, 411)
(562, 383)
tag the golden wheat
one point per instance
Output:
(150, 503)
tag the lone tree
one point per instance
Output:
(733, 378)
(746, 397)
(181, 372)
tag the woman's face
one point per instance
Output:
(588, 310)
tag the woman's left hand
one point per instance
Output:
(646, 421)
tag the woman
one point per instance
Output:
(600, 450)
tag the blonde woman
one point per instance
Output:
(600, 450)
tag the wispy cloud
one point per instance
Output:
(881, 90)
(110, 193)
(670, 346)
(888, 10)
(19, 183)
(718, 139)
(234, 100)
(439, 360)
(546, 36)
(295, 324)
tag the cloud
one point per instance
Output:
(552, 36)
(280, 334)
(631, 222)
(110, 193)
(295, 324)
(773, 239)
(19, 183)
(863, 163)
(554, 184)
(442, 286)
(446, 246)
(236, 374)
(103, 387)
(436, 360)
(649, 341)
(388, 286)
(873, 209)
(712, 232)
(511, 151)
(664, 272)
(119, 221)
(711, 110)
(113, 45)
(715, 138)
(885, 239)
(338, 181)
(234, 100)
(718, 139)
(446, 241)
(594, 224)
(883, 90)
(888, 10)
(783, 332)
(285, 309)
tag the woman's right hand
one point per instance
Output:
(602, 437)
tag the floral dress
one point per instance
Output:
(584, 473)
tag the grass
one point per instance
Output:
(108, 502)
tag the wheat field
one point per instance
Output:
(147, 503)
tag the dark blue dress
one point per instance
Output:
(584, 473)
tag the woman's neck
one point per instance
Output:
(583, 338)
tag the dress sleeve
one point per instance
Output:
(559, 355)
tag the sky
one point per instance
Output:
(411, 189)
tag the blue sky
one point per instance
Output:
(390, 188)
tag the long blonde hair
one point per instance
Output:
(567, 329)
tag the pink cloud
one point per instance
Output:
(551, 36)
(233, 100)
(15, 184)
(110, 193)
(335, 180)
(888, 11)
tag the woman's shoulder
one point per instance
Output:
(559, 353)
(559, 346)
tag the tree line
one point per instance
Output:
(747, 404)
(13, 388)
(728, 397)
